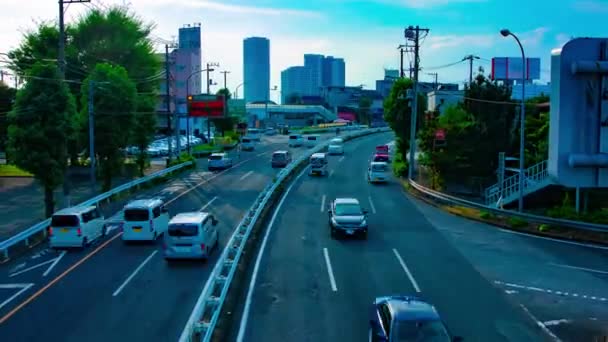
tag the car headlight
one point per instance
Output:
(333, 222)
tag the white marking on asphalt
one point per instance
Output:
(371, 203)
(208, 203)
(540, 324)
(31, 268)
(580, 268)
(341, 159)
(23, 287)
(246, 175)
(580, 244)
(549, 291)
(510, 291)
(119, 289)
(407, 270)
(556, 322)
(261, 154)
(330, 271)
(57, 259)
(18, 267)
(331, 173)
(256, 268)
(323, 203)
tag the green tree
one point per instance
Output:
(225, 92)
(7, 98)
(364, 112)
(143, 130)
(114, 104)
(37, 125)
(225, 124)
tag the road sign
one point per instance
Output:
(440, 134)
(206, 106)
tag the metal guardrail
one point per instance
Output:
(207, 310)
(529, 217)
(25, 235)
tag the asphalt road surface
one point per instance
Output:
(116, 292)
(310, 287)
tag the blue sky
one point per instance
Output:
(365, 33)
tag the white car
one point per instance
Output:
(336, 146)
(76, 227)
(377, 172)
(219, 161)
(144, 219)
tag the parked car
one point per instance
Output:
(219, 161)
(406, 318)
(347, 217)
(280, 158)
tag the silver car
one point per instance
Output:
(219, 161)
(191, 236)
(347, 217)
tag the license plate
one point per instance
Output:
(350, 231)
(64, 230)
(137, 229)
(182, 249)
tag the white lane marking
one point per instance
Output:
(48, 270)
(331, 173)
(330, 270)
(246, 175)
(23, 287)
(256, 268)
(341, 159)
(31, 268)
(549, 291)
(261, 154)
(580, 268)
(323, 203)
(119, 289)
(540, 324)
(208, 203)
(371, 203)
(556, 322)
(407, 270)
(580, 244)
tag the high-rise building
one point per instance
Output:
(314, 67)
(318, 72)
(256, 69)
(333, 72)
(294, 81)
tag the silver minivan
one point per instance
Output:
(191, 236)
(76, 227)
(318, 164)
(144, 220)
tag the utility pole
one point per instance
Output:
(411, 69)
(61, 63)
(415, 31)
(92, 132)
(208, 69)
(470, 58)
(401, 51)
(168, 99)
(436, 75)
(225, 72)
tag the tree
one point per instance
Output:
(143, 130)
(7, 98)
(225, 124)
(224, 92)
(37, 125)
(114, 104)
(363, 112)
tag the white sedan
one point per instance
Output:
(219, 161)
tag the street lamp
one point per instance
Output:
(522, 119)
(236, 91)
(187, 112)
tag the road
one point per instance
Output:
(113, 291)
(310, 287)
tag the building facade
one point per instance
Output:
(317, 73)
(256, 69)
(531, 89)
(333, 72)
(439, 100)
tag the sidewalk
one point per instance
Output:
(22, 200)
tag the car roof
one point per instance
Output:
(346, 200)
(378, 163)
(74, 210)
(381, 154)
(411, 309)
(144, 203)
(192, 217)
(337, 139)
(280, 152)
(218, 154)
(318, 155)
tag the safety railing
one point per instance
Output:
(535, 178)
(528, 217)
(205, 315)
(26, 235)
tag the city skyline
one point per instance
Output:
(256, 69)
(317, 72)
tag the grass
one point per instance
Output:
(206, 148)
(13, 171)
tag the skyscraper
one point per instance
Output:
(294, 81)
(333, 72)
(256, 69)
(309, 80)
(314, 67)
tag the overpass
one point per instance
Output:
(293, 115)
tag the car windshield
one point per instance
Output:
(293, 137)
(278, 156)
(348, 209)
(378, 167)
(215, 157)
(246, 140)
(420, 331)
(183, 230)
(65, 221)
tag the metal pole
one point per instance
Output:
(522, 128)
(401, 65)
(188, 113)
(61, 62)
(470, 70)
(578, 199)
(168, 96)
(208, 92)
(410, 170)
(92, 155)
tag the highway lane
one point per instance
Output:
(129, 292)
(404, 253)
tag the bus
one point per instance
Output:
(254, 134)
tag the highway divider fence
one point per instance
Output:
(37, 232)
(218, 296)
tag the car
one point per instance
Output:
(191, 235)
(76, 227)
(336, 146)
(377, 172)
(318, 164)
(219, 161)
(295, 140)
(406, 318)
(382, 149)
(280, 158)
(347, 217)
(144, 219)
(247, 144)
(381, 157)
(311, 140)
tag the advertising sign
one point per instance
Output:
(206, 106)
(511, 68)
(440, 134)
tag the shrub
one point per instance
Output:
(517, 222)
(486, 215)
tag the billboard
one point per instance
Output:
(206, 106)
(237, 107)
(511, 68)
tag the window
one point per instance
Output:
(379, 168)
(136, 215)
(215, 157)
(184, 229)
(156, 212)
(348, 209)
(385, 316)
(65, 221)
(278, 156)
(87, 216)
(180, 84)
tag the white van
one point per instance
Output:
(318, 164)
(76, 227)
(247, 144)
(144, 219)
(336, 146)
(312, 140)
(295, 140)
(377, 172)
(191, 236)
(254, 133)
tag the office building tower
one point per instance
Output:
(256, 69)
(333, 72)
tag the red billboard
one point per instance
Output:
(206, 107)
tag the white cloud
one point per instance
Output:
(428, 4)
(591, 6)
(241, 9)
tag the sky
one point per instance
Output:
(365, 33)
